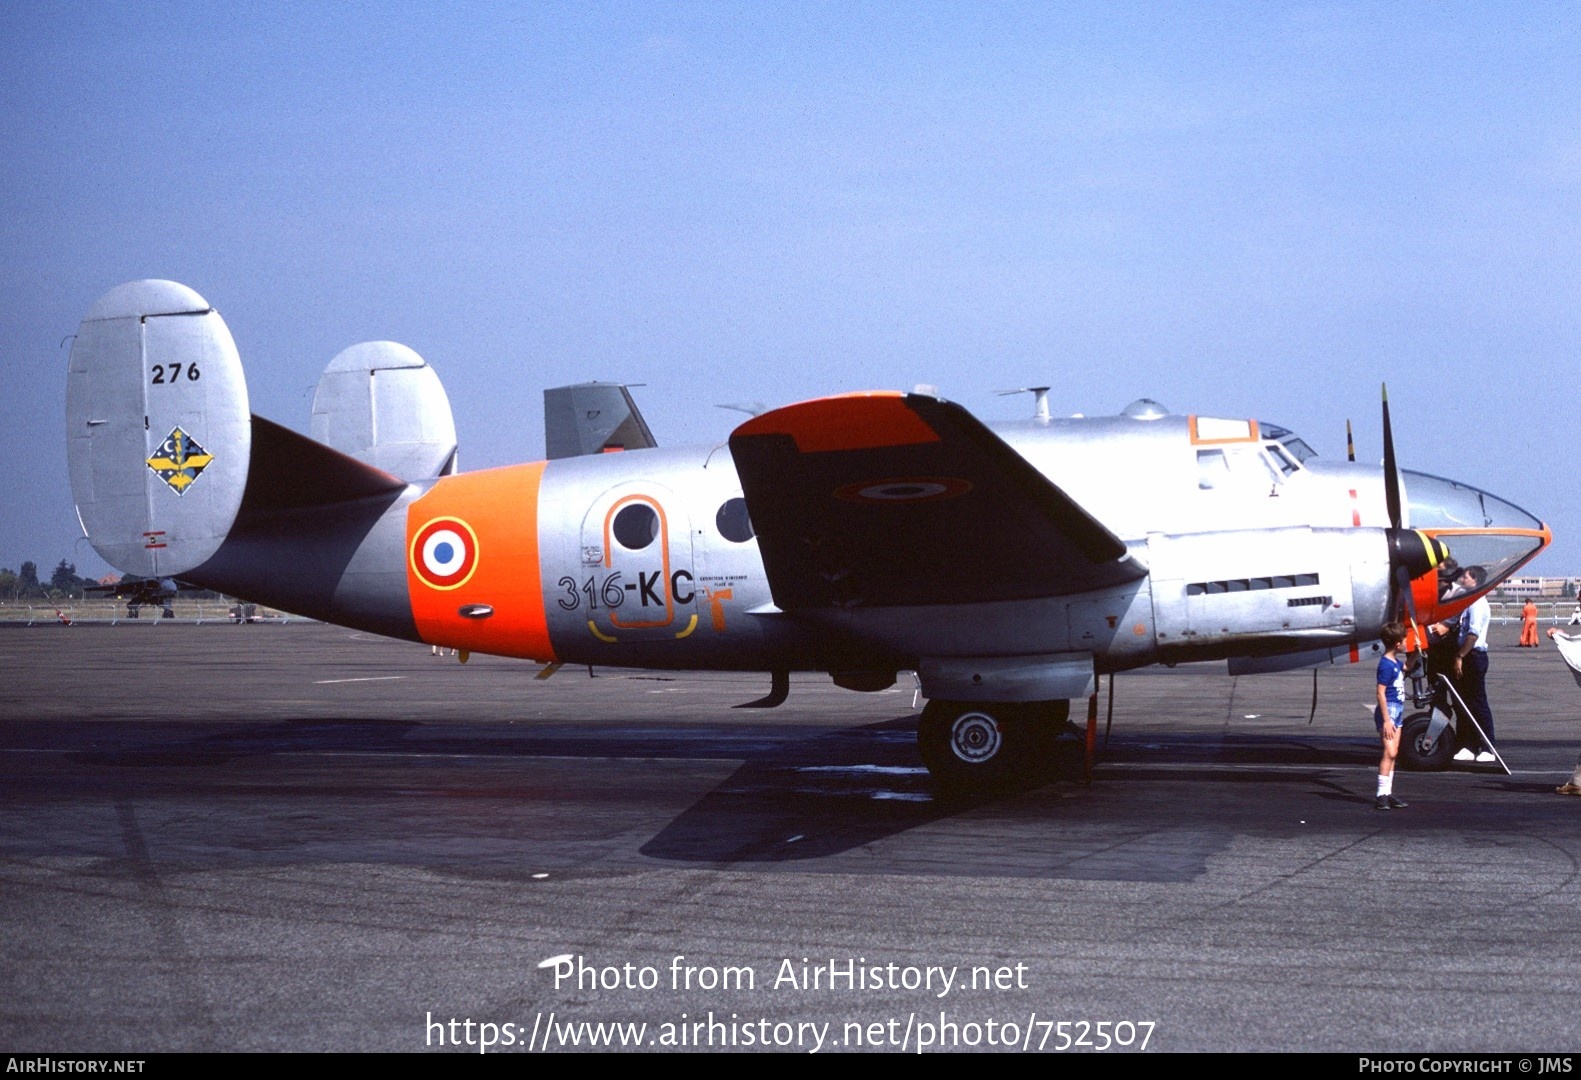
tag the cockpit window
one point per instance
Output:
(1271, 475)
(1289, 439)
(1297, 446)
(1212, 470)
(1286, 462)
(1245, 467)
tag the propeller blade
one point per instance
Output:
(1414, 639)
(1402, 587)
(1391, 472)
(1411, 554)
(1350, 442)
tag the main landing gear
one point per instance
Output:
(987, 745)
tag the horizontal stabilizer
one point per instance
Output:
(889, 499)
(291, 471)
(157, 428)
(381, 403)
(592, 418)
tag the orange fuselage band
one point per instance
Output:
(472, 545)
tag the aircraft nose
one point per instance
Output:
(1436, 503)
(1487, 536)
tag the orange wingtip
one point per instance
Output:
(867, 420)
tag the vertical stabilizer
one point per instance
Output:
(157, 428)
(381, 403)
(592, 418)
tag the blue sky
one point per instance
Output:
(1237, 209)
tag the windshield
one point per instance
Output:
(1288, 439)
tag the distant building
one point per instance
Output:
(1540, 588)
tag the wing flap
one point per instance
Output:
(893, 500)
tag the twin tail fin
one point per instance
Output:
(165, 455)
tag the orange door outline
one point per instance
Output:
(664, 547)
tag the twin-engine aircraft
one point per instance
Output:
(138, 592)
(1008, 565)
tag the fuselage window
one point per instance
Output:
(733, 522)
(635, 526)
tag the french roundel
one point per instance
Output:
(444, 553)
(904, 489)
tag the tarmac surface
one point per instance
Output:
(307, 838)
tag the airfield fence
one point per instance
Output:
(1549, 612)
(113, 612)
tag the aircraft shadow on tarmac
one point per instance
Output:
(794, 798)
(830, 793)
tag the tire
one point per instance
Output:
(985, 746)
(1415, 755)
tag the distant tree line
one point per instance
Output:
(64, 584)
(24, 584)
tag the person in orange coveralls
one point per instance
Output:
(1529, 625)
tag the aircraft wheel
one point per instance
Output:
(1415, 754)
(975, 746)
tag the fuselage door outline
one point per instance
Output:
(641, 585)
(637, 582)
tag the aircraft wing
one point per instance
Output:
(887, 499)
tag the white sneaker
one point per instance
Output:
(1465, 754)
(1486, 758)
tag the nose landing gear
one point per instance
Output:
(1427, 742)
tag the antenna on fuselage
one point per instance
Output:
(1040, 399)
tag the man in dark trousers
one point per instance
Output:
(1471, 667)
